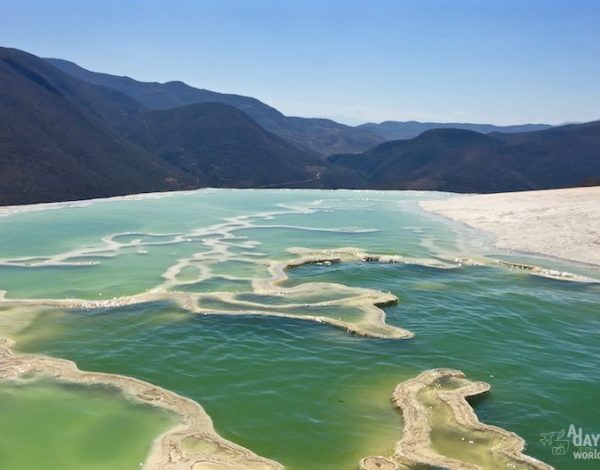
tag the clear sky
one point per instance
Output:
(499, 61)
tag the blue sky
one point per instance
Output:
(356, 61)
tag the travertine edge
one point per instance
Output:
(371, 301)
(174, 449)
(415, 447)
(557, 223)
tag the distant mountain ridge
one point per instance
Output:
(467, 161)
(322, 136)
(397, 130)
(63, 138)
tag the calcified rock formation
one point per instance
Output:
(270, 298)
(435, 403)
(362, 308)
(562, 223)
(191, 444)
(357, 310)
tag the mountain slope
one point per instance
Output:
(396, 130)
(466, 161)
(221, 146)
(555, 158)
(322, 136)
(56, 143)
(62, 138)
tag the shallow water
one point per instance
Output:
(306, 394)
(47, 425)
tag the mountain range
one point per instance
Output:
(67, 133)
(63, 139)
(468, 161)
(396, 130)
(322, 136)
(55, 144)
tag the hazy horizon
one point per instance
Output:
(496, 62)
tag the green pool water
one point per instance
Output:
(49, 425)
(308, 395)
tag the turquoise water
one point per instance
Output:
(306, 394)
(46, 425)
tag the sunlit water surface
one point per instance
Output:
(308, 395)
